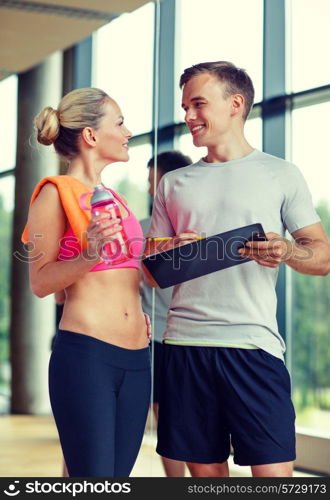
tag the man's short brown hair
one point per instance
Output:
(236, 79)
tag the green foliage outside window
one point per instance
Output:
(311, 346)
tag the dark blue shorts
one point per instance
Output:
(215, 397)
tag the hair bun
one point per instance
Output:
(47, 125)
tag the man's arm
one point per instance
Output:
(309, 253)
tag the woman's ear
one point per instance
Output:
(88, 136)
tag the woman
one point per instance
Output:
(99, 373)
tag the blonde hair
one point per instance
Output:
(62, 127)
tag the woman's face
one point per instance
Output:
(112, 135)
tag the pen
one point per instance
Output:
(171, 237)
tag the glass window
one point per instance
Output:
(310, 41)
(311, 294)
(131, 179)
(6, 213)
(213, 31)
(310, 139)
(253, 132)
(8, 125)
(123, 65)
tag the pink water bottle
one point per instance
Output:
(103, 201)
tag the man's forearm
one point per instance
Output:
(310, 257)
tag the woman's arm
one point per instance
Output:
(47, 224)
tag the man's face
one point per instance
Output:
(207, 112)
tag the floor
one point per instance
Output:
(30, 448)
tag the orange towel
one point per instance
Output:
(70, 190)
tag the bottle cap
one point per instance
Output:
(100, 194)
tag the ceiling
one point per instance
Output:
(30, 30)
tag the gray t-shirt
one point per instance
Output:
(162, 299)
(235, 307)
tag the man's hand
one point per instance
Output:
(153, 247)
(269, 253)
(183, 238)
(309, 253)
(188, 236)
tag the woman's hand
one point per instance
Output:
(100, 231)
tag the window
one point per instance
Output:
(123, 65)
(213, 31)
(131, 179)
(310, 41)
(311, 294)
(6, 213)
(310, 148)
(8, 125)
(8, 106)
(253, 132)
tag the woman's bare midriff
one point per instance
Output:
(106, 305)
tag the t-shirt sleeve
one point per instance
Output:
(160, 221)
(297, 207)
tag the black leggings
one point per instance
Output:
(100, 394)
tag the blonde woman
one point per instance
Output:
(99, 372)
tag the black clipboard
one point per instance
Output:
(201, 257)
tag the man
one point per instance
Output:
(166, 162)
(226, 382)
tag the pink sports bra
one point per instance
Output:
(70, 247)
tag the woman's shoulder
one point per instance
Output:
(59, 180)
(48, 189)
(65, 186)
(45, 211)
(47, 198)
